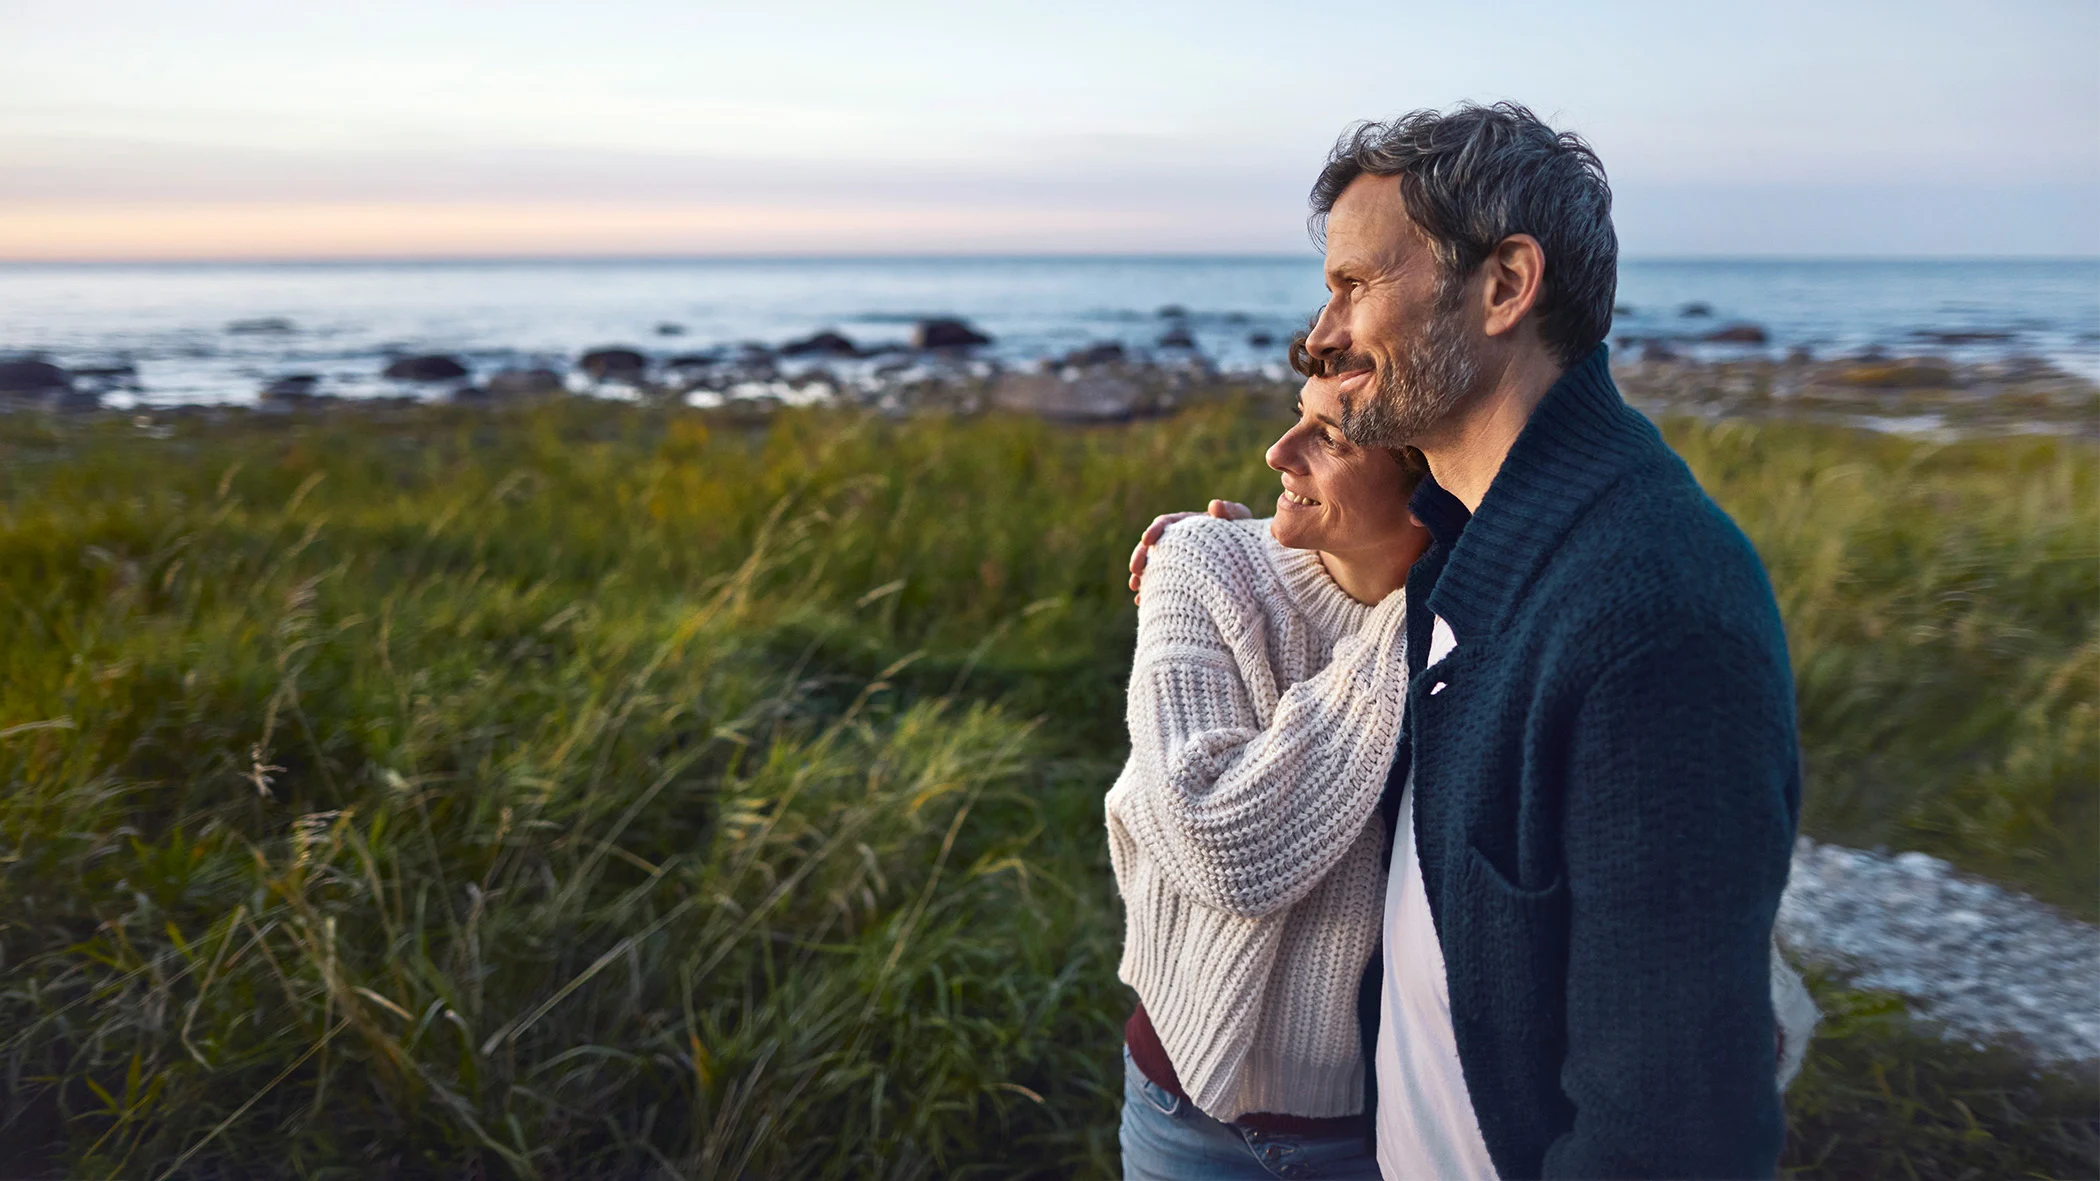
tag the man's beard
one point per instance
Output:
(1435, 372)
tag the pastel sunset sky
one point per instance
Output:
(132, 129)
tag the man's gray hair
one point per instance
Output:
(1474, 176)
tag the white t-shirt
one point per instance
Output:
(1426, 1127)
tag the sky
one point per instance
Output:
(142, 129)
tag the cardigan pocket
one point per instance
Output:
(1514, 952)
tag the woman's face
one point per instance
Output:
(1337, 497)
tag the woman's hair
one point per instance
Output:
(1303, 363)
(1413, 465)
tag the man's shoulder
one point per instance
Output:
(1656, 554)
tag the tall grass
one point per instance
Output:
(592, 791)
(1942, 604)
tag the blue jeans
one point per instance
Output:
(1165, 1138)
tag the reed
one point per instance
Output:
(579, 790)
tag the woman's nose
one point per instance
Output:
(1280, 456)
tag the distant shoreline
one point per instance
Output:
(1916, 396)
(226, 331)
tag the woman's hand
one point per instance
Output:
(1224, 510)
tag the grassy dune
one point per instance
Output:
(584, 790)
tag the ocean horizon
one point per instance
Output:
(185, 331)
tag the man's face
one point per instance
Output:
(1402, 340)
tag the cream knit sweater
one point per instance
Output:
(1264, 710)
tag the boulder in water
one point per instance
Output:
(1695, 310)
(292, 387)
(1177, 337)
(431, 367)
(1108, 352)
(1260, 340)
(1739, 334)
(823, 344)
(613, 364)
(34, 378)
(946, 333)
(261, 326)
(670, 328)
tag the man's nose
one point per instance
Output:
(1330, 333)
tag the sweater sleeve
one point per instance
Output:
(1242, 807)
(1677, 836)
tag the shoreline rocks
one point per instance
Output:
(827, 343)
(261, 326)
(292, 387)
(1738, 334)
(1100, 397)
(946, 333)
(429, 367)
(1925, 396)
(525, 383)
(34, 378)
(613, 364)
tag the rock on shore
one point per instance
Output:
(1105, 397)
(517, 383)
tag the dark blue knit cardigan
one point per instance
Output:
(1606, 789)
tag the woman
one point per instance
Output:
(1264, 708)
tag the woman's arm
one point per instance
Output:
(1241, 815)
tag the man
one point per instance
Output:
(1594, 799)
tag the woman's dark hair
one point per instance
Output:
(1303, 363)
(1413, 465)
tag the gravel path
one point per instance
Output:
(1990, 963)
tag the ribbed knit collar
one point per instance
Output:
(1580, 440)
(1313, 590)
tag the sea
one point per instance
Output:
(165, 334)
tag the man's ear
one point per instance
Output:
(1513, 275)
